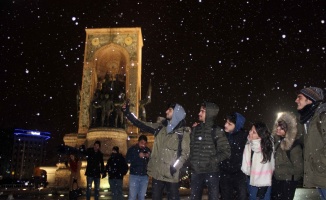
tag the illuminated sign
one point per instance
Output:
(34, 132)
(21, 132)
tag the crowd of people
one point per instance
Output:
(231, 162)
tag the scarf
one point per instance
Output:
(307, 112)
(260, 173)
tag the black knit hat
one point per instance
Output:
(116, 149)
(313, 93)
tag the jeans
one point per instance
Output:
(234, 186)
(96, 187)
(137, 187)
(253, 191)
(283, 190)
(198, 181)
(322, 193)
(116, 189)
(172, 190)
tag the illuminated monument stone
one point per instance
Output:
(111, 74)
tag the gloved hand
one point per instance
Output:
(172, 170)
(261, 192)
(103, 175)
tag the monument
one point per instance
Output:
(111, 74)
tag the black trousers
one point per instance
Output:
(234, 186)
(172, 190)
(199, 181)
(283, 190)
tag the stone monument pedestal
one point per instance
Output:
(109, 137)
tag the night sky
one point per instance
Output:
(246, 56)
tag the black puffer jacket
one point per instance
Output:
(204, 155)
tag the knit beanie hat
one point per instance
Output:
(313, 93)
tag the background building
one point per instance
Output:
(28, 152)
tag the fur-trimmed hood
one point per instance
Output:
(291, 133)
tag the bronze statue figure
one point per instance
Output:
(144, 102)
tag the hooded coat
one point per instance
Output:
(315, 149)
(165, 148)
(204, 155)
(237, 140)
(288, 165)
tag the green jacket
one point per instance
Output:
(164, 153)
(165, 148)
(205, 157)
(315, 150)
(288, 151)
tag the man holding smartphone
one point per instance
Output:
(138, 156)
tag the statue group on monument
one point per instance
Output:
(105, 107)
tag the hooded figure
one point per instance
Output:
(237, 140)
(233, 180)
(288, 157)
(205, 155)
(170, 149)
(208, 147)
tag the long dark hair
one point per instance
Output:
(266, 140)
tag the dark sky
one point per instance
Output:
(247, 56)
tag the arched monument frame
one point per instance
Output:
(100, 43)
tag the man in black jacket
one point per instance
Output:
(232, 178)
(208, 147)
(138, 156)
(116, 167)
(94, 170)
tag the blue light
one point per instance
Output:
(34, 133)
